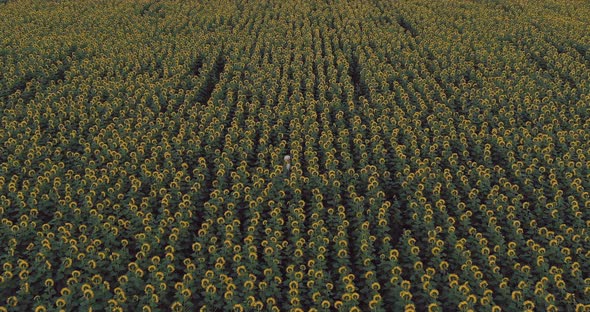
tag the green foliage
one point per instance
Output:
(439, 155)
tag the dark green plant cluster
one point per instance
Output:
(439, 155)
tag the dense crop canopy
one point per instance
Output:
(438, 155)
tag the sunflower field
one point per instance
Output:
(304, 155)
